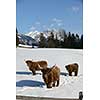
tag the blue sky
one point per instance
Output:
(41, 15)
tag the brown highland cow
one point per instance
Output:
(51, 76)
(72, 68)
(34, 65)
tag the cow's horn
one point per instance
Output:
(40, 66)
(53, 66)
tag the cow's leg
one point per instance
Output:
(70, 73)
(54, 84)
(49, 85)
(76, 72)
(33, 71)
(57, 83)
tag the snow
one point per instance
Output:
(27, 46)
(29, 85)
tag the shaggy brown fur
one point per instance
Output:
(51, 76)
(34, 66)
(72, 68)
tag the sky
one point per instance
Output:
(40, 15)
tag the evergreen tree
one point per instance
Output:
(51, 41)
(77, 42)
(69, 40)
(56, 41)
(42, 43)
(62, 34)
(73, 43)
(77, 36)
(17, 39)
(65, 41)
(81, 42)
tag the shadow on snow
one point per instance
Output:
(63, 73)
(29, 83)
(26, 73)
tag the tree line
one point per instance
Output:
(69, 40)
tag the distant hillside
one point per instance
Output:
(27, 40)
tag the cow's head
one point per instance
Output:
(29, 63)
(46, 75)
(67, 67)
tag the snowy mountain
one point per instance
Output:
(34, 34)
(57, 34)
(26, 40)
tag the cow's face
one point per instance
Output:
(67, 67)
(45, 70)
(46, 77)
(47, 80)
(29, 63)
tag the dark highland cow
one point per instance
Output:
(72, 68)
(51, 76)
(34, 66)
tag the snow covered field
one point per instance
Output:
(29, 85)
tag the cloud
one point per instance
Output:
(75, 8)
(56, 20)
(60, 24)
(44, 26)
(37, 23)
(32, 28)
(52, 25)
